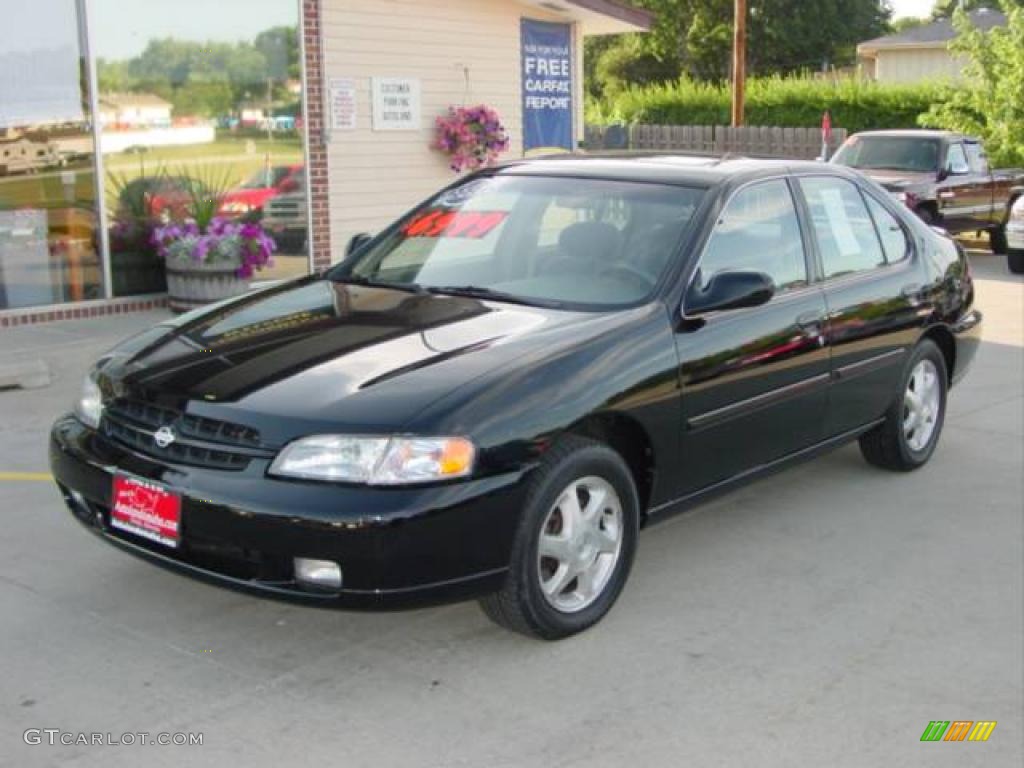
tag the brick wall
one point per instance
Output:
(320, 237)
(11, 318)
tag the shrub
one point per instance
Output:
(855, 104)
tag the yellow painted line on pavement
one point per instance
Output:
(26, 477)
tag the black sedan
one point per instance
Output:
(491, 398)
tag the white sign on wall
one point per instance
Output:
(344, 112)
(396, 104)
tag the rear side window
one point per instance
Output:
(844, 230)
(758, 231)
(894, 238)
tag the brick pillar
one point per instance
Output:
(320, 237)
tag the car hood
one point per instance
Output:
(897, 181)
(313, 353)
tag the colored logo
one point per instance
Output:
(958, 730)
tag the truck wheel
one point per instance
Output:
(1015, 259)
(997, 240)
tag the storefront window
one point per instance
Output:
(49, 249)
(199, 100)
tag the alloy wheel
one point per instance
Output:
(580, 544)
(921, 404)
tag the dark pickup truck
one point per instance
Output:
(944, 177)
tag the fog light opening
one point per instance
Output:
(322, 574)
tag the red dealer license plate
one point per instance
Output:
(146, 509)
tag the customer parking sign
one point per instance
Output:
(547, 87)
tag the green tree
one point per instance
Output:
(693, 38)
(992, 106)
(945, 8)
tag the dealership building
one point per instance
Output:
(316, 117)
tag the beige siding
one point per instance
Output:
(376, 175)
(915, 65)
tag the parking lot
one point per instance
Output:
(821, 617)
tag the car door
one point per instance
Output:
(998, 186)
(754, 380)
(872, 292)
(965, 196)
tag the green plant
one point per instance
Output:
(855, 104)
(204, 188)
(992, 106)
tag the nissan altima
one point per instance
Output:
(492, 397)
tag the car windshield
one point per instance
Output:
(555, 241)
(890, 153)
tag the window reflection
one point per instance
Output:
(48, 221)
(199, 98)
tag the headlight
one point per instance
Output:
(237, 207)
(89, 407)
(376, 460)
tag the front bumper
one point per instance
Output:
(396, 547)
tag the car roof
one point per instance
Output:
(679, 169)
(919, 133)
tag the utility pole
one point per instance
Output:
(739, 62)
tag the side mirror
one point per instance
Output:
(942, 175)
(730, 290)
(357, 242)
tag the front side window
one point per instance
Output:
(759, 231)
(976, 157)
(956, 160)
(537, 239)
(844, 230)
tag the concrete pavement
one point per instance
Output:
(819, 618)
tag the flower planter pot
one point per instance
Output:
(195, 284)
(136, 273)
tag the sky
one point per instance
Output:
(911, 7)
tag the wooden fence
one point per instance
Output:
(753, 140)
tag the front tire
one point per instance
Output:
(997, 240)
(906, 440)
(1015, 260)
(574, 546)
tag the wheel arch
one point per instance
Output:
(628, 438)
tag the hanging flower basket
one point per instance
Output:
(205, 265)
(472, 137)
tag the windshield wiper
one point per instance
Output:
(482, 292)
(371, 283)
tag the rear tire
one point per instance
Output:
(551, 591)
(1015, 260)
(906, 440)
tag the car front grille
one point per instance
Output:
(198, 441)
